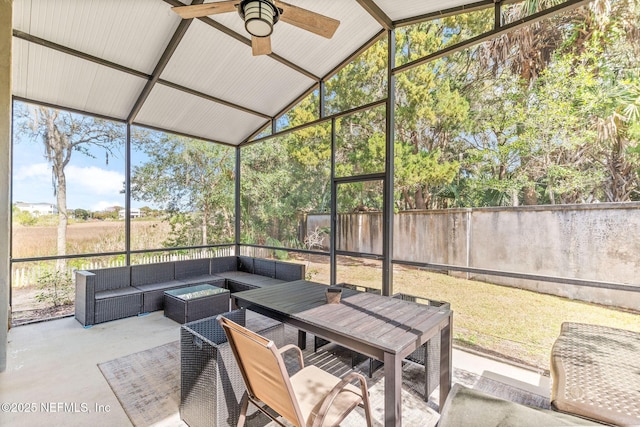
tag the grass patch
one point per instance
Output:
(514, 323)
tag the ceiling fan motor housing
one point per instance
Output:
(259, 16)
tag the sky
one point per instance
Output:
(92, 184)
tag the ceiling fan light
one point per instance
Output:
(259, 17)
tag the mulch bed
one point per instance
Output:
(24, 317)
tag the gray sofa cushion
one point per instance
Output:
(161, 285)
(245, 263)
(264, 267)
(111, 278)
(289, 271)
(117, 292)
(222, 264)
(192, 267)
(152, 273)
(205, 279)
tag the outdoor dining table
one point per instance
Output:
(385, 328)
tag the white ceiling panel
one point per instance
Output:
(135, 34)
(53, 77)
(401, 9)
(171, 109)
(211, 62)
(130, 33)
(310, 51)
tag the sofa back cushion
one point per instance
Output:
(289, 271)
(111, 278)
(245, 263)
(192, 268)
(152, 273)
(264, 267)
(222, 264)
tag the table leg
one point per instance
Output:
(445, 361)
(392, 390)
(302, 339)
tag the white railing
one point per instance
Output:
(28, 275)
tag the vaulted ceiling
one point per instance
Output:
(139, 62)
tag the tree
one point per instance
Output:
(82, 214)
(62, 133)
(192, 181)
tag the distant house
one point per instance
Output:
(135, 213)
(37, 209)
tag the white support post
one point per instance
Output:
(6, 29)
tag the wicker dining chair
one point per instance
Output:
(310, 397)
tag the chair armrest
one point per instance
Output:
(288, 347)
(328, 401)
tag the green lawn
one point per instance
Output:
(513, 323)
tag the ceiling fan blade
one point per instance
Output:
(199, 10)
(260, 45)
(308, 20)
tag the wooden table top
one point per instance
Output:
(391, 325)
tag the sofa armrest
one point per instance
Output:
(85, 297)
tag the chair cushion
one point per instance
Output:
(595, 373)
(312, 384)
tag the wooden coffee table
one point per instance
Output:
(195, 302)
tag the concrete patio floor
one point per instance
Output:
(54, 363)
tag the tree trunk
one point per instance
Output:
(407, 199)
(530, 196)
(61, 196)
(420, 204)
(205, 217)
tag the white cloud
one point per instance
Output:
(34, 170)
(95, 180)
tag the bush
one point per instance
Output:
(56, 288)
(24, 218)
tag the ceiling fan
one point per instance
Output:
(259, 16)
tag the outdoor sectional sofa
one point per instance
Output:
(114, 293)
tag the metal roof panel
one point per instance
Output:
(53, 77)
(171, 109)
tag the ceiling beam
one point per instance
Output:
(160, 66)
(512, 26)
(315, 86)
(69, 109)
(51, 45)
(316, 122)
(373, 40)
(178, 133)
(378, 14)
(212, 98)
